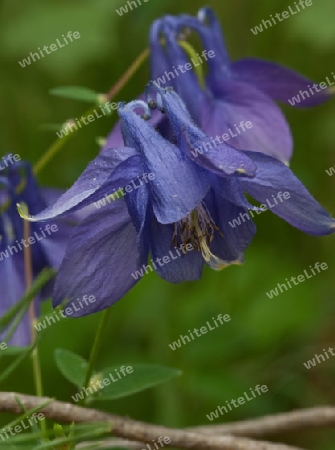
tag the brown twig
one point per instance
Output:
(131, 429)
(299, 420)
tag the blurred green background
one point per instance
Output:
(266, 341)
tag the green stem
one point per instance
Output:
(37, 373)
(57, 145)
(50, 153)
(128, 74)
(28, 275)
(96, 345)
(38, 380)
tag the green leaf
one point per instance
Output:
(72, 366)
(76, 93)
(144, 376)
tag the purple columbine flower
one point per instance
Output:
(235, 93)
(47, 242)
(238, 91)
(197, 189)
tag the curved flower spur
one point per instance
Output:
(189, 202)
(234, 92)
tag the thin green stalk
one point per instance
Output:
(50, 153)
(57, 145)
(28, 274)
(96, 345)
(27, 412)
(128, 74)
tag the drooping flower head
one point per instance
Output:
(46, 243)
(234, 93)
(195, 191)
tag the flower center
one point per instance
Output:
(197, 228)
